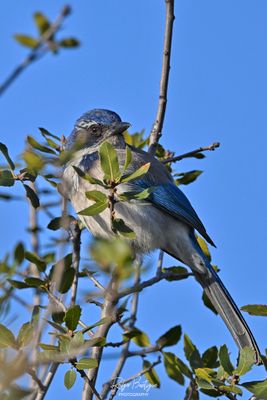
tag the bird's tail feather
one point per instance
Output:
(226, 307)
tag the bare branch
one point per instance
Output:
(94, 280)
(39, 50)
(158, 124)
(192, 153)
(85, 377)
(76, 246)
(48, 380)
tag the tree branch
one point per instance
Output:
(76, 247)
(158, 124)
(192, 153)
(38, 51)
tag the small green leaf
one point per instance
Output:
(19, 253)
(87, 177)
(95, 209)
(18, 284)
(34, 161)
(210, 357)
(225, 360)
(208, 303)
(34, 282)
(180, 273)
(6, 178)
(38, 146)
(172, 368)
(60, 222)
(7, 339)
(245, 362)
(45, 346)
(86, 363)
(185, 370)
(57, 326)
(128, 158)
(109, 162)
(120, 226)
(255, 309)
(4, 150)
(231, 389)
(187, 177)
(192, 354)
(42, 22)
(151, 375)
(69, 379)
(136, 174)
(25, 335)
(139, 337)
(258, 388)
(69, 42)
(204, 247)
(27, 41)
(33, 258)
(67, 280)
(206, 374)
(144, 194)
(45, 133)
(171, 337)
(98, 323)
(72, 317)
(96, 195)
(32, 196)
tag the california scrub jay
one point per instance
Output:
(168, 223)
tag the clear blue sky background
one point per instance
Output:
(218, 92)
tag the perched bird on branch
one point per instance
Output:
(167, 221)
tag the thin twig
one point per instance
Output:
(47, 382)
(94, 280)
(192, 153)
(76, 246)
(141, 373)
(125, 349)
(164, 275)
(160, 261)
(158, 124)
(38, 51)
(85, 377)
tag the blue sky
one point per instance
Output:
(217, 93)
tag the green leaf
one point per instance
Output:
(60, 222)
(6, 178)
(225, 360)
(7, 339)
(255, 309)
(206, 374)
(19, 253)
(34, 282)
(119, 225)
(27, 41)
(171, 337)
(208, 303)
(139, 337)
(98, 323)
(204, 247)
(69, 379)
(98, 341)
(18, 284)
(42, 22)
(184, 368)
(72, 317)
(45, 346)
(136, 174)
(95, 209)
(128, 158)
(245, 362)
(151, 375)
(32, 196)
(258, 388)
(172, 368)
(180, 272)
(210, 357)
(34, 161)
(87, 177)
(109, 162)
(187, 177)
(57, 326)
(86, 363)
(192, 354)
(25, 335)
(33, 258)
(69, 42)
(67, 280)
(4, 150)
(96, 195)
(231, 389)
(38, 146)
(45, 133)
(144, 194)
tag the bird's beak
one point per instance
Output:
(118, 128)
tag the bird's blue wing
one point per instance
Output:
(169, 198)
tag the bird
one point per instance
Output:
(167, 222)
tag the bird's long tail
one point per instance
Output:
(226, 307)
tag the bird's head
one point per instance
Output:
(96, 126)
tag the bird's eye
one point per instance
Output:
(96, 129)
